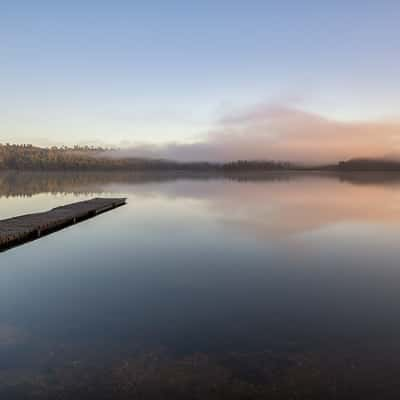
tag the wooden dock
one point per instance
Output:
(25, 228)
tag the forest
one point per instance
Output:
(29, 157)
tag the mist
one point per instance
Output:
(279, 132)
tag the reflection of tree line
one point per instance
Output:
(369, 178)
(13, 183)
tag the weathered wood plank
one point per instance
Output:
(24, 228)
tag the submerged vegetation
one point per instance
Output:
(355, 373)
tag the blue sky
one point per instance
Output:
(122, 72)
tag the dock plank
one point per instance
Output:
(21, 229)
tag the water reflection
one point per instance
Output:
(260, 286)
(268, 205)
(290, 206)
(10, 336)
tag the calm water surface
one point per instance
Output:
(260, 280)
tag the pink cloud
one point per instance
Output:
(277, 132)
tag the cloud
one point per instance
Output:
(279, 132)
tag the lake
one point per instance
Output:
(270, 285)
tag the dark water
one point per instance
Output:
(274, 286)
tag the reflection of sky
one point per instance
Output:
(280, 208)
(266, 208)
(200, 265)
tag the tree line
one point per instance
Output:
(29, 157)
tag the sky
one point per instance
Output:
(305, 79)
